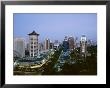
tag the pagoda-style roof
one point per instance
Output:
(33, 33)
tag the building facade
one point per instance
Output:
(83, 46)
(65, 44)
(51, 45)
(41, 47)
(71, 43)
(47, 44)
(19, 46)
(33, 44)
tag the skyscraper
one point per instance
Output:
(65, 44)
(47, 44)
(33, 43)
(83, 46)
(19, 46)
(51, 45)
(71, 43)
(27, 50)
(41, 47)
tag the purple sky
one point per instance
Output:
(56, 26)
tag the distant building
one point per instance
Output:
(56, 44)
(91, 43)
(27, 46)
(51, 45)
(71, 43)
(41, 47)
(83, 46)
(65, 44)
(19, 46)
(27, 50)
(33, 44)
(47, 44)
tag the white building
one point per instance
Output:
(83, 45)
(19, 46)
(33, 44)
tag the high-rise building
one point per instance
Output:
(27, 50)
(71, 43)
(33, 44)
(19, 46)
(65, 44)
(90, 42)
(41, 47)
(83, 46)
(76, 43)
(47, 44)
(27, 46)
(51, 45)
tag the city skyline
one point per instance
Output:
(56, 26)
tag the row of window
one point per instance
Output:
(34, 50)
(33, 39)
(34, 54)
(34, 43)
(34, 47)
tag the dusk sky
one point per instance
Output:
(56, 26)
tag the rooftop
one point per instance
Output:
(33, 33)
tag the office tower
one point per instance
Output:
(33, 44)
(83, 46)
(71, 43)
(19, 46)
(47, 44)
(65, 44)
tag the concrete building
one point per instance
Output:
(27, 50)
(71, 43)
(83, 46)
(47, 44)
(41, 47)
(19, 46)
(51, 45)
(33, 44)
(27, 46)
(65, 44)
